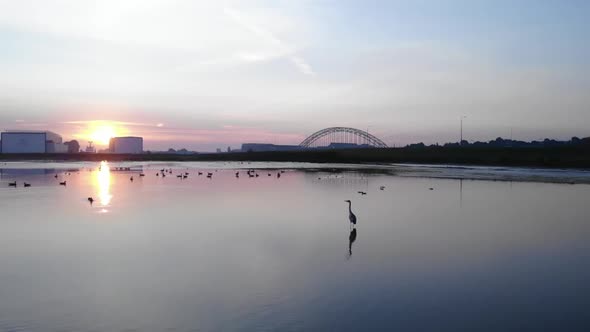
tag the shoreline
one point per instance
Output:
(570, 157)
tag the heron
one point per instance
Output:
(351, 215)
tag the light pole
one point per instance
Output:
(462, 117)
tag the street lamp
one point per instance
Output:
(462, 117)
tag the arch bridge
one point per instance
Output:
(342, 135)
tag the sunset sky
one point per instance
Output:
(207, 74)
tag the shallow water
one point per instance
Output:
(268, 253)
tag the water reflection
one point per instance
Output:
(351, 239)
(103, 183)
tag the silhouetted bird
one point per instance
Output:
(62, 183)
(141, 174)
(382, 187)
(278, 175)
(351, 239)
(351, 215)
(12, 184)
(200, 173)
(90, 200)
(237, 174)
(430, 188)
(55, 176)
(27, 184)
(131, 179)
(157, 174)
(362, 192)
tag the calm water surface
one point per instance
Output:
(268, 253)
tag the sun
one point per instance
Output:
(102, 133)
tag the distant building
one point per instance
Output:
(90, 148)
(228, 149)
(218, 150)
(73, 146)
(32, 142)
(261, 147)
(129, 144)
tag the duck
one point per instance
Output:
(27, 184)
(12, 184)
(62, 183)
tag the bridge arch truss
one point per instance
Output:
(344, 135)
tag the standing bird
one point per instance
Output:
(351, 215)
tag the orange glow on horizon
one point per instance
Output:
(101, 132)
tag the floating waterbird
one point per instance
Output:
(362, 192)
(12, 184)
(382, 187)
(62, 183)
(27, 184)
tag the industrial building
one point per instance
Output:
(129, 144)
(32, 142)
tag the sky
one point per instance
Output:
(207, 74)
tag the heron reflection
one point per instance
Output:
(351, 239)
(103, 182)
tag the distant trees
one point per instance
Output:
(73, 146)
(501, 142)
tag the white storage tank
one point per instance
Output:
(127, 144)
(31, 142)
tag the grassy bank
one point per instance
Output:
(567, 157)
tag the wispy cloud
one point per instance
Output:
(282, 49)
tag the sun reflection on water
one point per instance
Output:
(103, 182)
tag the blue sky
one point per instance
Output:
(200, 74)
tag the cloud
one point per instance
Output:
(282, 49)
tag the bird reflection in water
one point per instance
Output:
(103, 183)
(351, 239)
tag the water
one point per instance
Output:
(272, 253)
